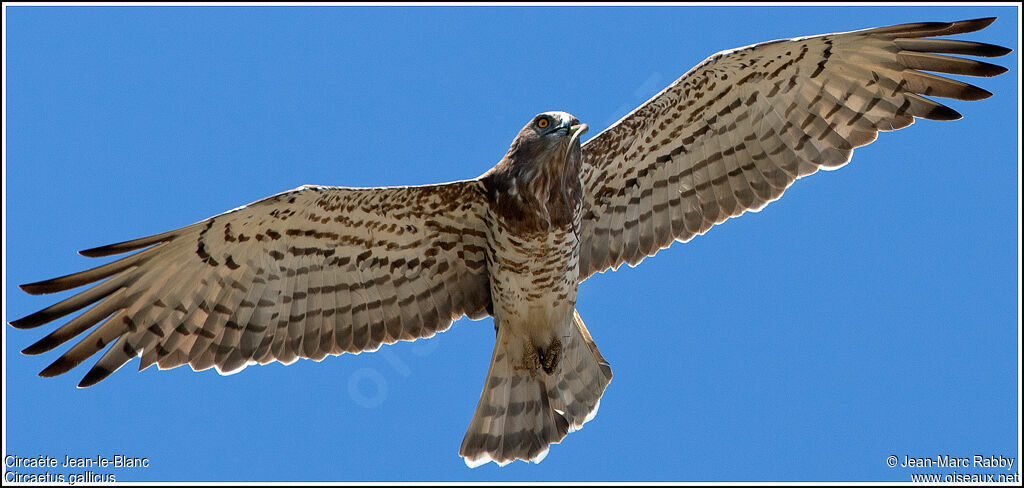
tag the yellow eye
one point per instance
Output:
(542, 123)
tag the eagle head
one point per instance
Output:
(547, 138)
(539, 177)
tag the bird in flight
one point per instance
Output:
(319, 270)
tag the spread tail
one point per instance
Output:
(523, 409)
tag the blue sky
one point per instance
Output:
(871, 311)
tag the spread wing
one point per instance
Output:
(305, 273)
(735, 131)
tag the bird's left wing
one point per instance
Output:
(304, 273)
(735, 131)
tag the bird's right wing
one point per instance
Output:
(738, 129)
(305, 273)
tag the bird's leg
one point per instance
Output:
(531, 359)
(549, 359)
(536, 358)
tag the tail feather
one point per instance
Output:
(581, 385)
(524, 410)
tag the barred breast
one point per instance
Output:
(534, 277)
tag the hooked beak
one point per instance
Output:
(575, 132)
(568, 128)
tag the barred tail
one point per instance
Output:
(522, 410)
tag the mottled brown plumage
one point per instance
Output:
(536, 186)
(736, 130)
(320, 271)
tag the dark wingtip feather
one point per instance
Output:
(60, 366)
(998, 51)
(971, 25)
(52, 285)
(98, 252)
(975, 93)
(21, 323)
(85, 277)
(126, 246)
(101, 251)
(983, 22)
(949, 46)
(933, 29)
(31, 321)
(989, 70)
(986, 50)
(95, 375)
(37, 288)
(115, 248)
(943, 112)
(41, 346)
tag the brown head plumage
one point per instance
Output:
(538, 180)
